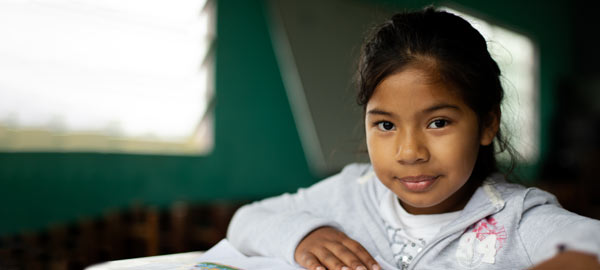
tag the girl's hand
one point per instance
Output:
(328, 248)
(570, 260)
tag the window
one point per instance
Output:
(130, 76)
(517, 57)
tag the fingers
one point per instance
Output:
(348, 258)
(362, 254)
(321, 259)
(310, 261)
(332, 261)
(327, 248)
(336, 256)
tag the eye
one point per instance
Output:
(438, 123)
(385, 126)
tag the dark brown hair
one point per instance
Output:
(451, 50)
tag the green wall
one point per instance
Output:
(257, 151)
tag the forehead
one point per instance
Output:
(413, 88)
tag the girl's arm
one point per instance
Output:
(274, 227)
(548, 231)
(300, 225)
(570, 260)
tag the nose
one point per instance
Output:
(411, 149)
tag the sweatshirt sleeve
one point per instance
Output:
(275, 226)
(545, 226)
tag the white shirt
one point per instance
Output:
(409, 233)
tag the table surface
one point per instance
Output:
(170, 261)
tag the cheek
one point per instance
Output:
(462, 152)
(372, 145)
(378, 148)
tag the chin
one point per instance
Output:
(420, 204)
(423, 203)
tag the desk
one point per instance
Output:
(171, 261)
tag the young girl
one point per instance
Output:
(431, 197)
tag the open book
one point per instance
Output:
(226, 257)
(222, 256)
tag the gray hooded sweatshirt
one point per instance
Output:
(503, 226)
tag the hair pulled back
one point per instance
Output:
(449, 48)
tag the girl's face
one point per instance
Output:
(423, 141)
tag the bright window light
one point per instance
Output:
(111, 75)
(517, 57)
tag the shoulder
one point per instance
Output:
(519, 196)
(342, 182)
(362, 176)
(534, 206)
(350, 174)
(356, 182)
(356, 169)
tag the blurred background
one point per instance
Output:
(136, 128)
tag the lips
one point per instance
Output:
(417, 183)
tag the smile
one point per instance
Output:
(417, 183)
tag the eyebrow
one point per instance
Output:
(431, 109)
(379, 112)
(441, 106)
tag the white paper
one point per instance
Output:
(225, 253)
(179, 261)
(222, 253)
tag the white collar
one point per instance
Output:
(418, 226)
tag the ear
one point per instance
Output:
(488, 133)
